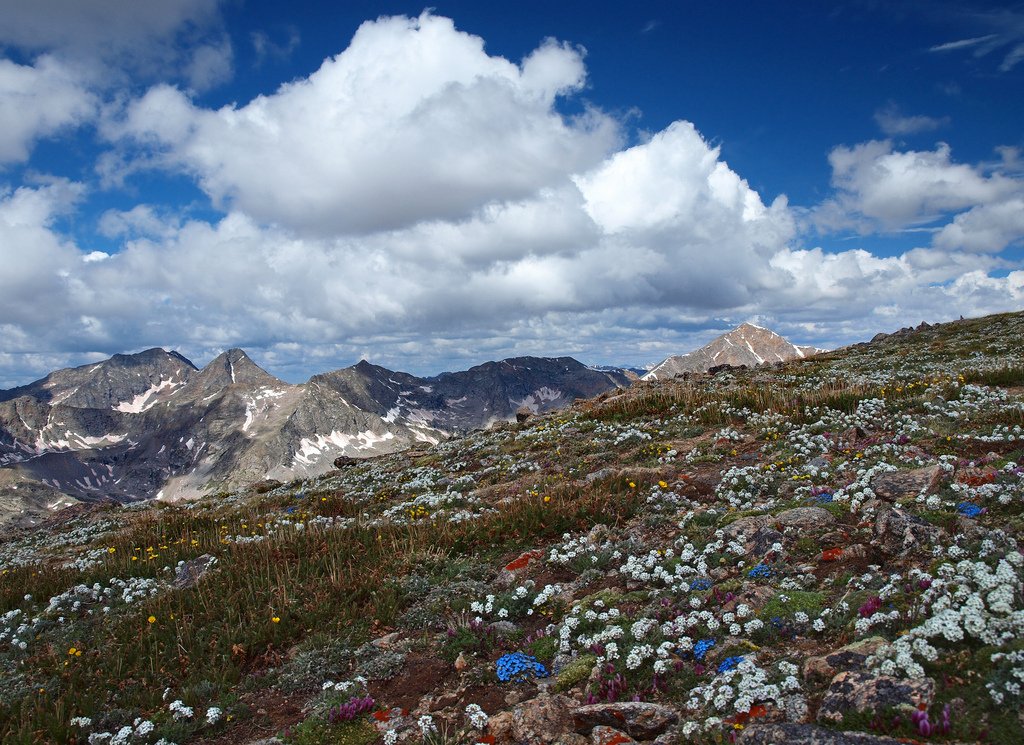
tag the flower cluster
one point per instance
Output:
(517, 665)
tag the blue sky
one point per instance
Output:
(433, 188)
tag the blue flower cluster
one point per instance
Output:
(968, 509)
(700, 584)
(511, 665)
(701, 648)
(729, 663)
(761, 570)
(822, 499)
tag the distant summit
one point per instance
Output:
(746, 344)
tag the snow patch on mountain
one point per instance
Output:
(310, 449)
(141, 402)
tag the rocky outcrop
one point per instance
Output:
(851, 657)
(864, 691)
(898, 533)
(542, 720)
(807, 734)
(901, 484)
(639, 720)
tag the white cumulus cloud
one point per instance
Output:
(38, 101)
(413, 121)
(879, 187)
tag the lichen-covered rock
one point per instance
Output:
(754, 533)
(898, 533)
(602, 735)
(805, 518)
(541, 721)
(850, 657)
(863, 691)
(901, 484)
(192, 571)
(499, 727)
(807, 734)
(638, 719)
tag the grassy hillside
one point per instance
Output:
(701, 543)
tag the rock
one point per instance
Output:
(638, 719)
(571, 738)
(753, 534)
(863, 691)
(192, 571)
(542, 720)
(854, 551)
(444, 701)
(523, 413)
(603, 473)
(807, 734)
(343, 461)
(499, 727)
(387, 641)
(602, 735)
(967, 527)
(795, 707)
(901, 484)
(397, 720)
(805, 518)
(898, 533)
(850, 657)
(461, 663)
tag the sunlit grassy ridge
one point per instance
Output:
(96, 643)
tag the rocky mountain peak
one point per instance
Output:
(231, 368)
(746, 344)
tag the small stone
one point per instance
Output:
(523, 413)
(461, 663)
(386, 642)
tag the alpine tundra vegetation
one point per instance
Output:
(823, 550)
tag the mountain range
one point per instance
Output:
(153, 425)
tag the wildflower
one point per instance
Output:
(476, 716)
(152, 619)
(426, 724)
(511, 665)
(213, 715)
(275, 619)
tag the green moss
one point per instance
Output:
(575, 672)
(319, 732)
(810, 603)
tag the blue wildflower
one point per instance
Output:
(761, 570)
(512, 665)
(729, 663)
(968, 509)
(700, 584)
(701, 648)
